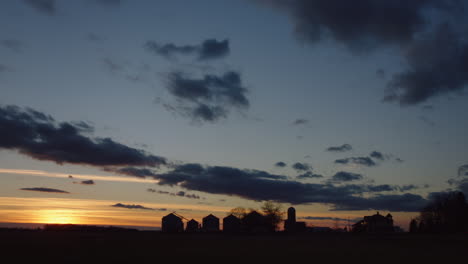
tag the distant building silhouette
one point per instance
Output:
(255, 222)
(231, 224)
(192, 226)
(291, 225)
(171, 223)
(211, 223)
(375, 224)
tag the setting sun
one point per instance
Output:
(58, 217)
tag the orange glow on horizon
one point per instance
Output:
(58, 217)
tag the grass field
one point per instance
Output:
(145, 247)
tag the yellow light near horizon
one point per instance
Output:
(58, 217)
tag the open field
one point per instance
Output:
(133, 247)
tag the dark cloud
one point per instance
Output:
(301, 166)
(88, 182)
(428, 107)
(135, 206)
(42, 189)
(463, 170)
(430, 34)
(342, 148)
(300, 121)
(328, 218)
(408, 187)
(343, 176)
(363, 161)
(309, 175)
(94, 37)
(359, 24)
(180, 193)
(113, 66)
(39, 136)
(399, 160)
(207, 50)
(427, 121)
(4, 68)
(209, 98)
(280, 164)
(133, 171)
(45, 6)
(12, 44)
(377, 155)
(261, 186)
(380, 73)
(437, 63)
(398, 203)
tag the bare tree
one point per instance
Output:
(273, 214)
(239, 212)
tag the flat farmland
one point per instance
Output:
(135, 247)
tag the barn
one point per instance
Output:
(171, 223)
(231, 224)
(211, 223)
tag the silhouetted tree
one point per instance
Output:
(273, 214)
(447, 212)
(239, 212)
(413, 227)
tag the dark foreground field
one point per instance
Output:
(145, 247)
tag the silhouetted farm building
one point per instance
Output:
(192, 226)
(291, 225)
(254, 222)
(231, 224)
(171, 223)
(211, 223)
(375, 224)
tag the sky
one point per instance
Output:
(118, 112)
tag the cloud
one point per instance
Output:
(133, 171)
(380, 73)
(398, 203)
(88, 182)
(261, 186)
(180, 193)
(343, 176)
(328, 218)
(39, 136)
(280, 164)
(427, 121)
(300, 121)
(377, 155)
(437, 65)
(207, 50)
(12, 44)
(135, 206)
(363, 161)
(42, 189)
(463, 170)
(301, 166)
(357, 24)
(209, 98)
(429, 34)
(47, 7)
(309, 175)
(342, 148)
(4, 68)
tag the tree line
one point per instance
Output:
(447, 212)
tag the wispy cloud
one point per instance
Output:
(43, 189)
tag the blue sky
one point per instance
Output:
(87, 61)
